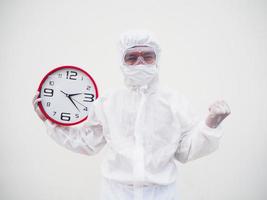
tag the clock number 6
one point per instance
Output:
(65, 116)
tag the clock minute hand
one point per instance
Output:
(73, 103)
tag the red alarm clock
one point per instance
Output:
(67, 93)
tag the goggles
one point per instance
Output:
(140, 55)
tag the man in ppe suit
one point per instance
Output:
(144, 127)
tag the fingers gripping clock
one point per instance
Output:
(67, 93)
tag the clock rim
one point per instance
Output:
(45, 78)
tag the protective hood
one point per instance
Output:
(141, 75)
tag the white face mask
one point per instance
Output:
(139, 75)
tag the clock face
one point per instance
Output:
(67, 93)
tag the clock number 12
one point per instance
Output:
(72, 75)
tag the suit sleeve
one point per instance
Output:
(197, 139)
(87, 139)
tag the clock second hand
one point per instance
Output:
(78, 102)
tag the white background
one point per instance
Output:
(211, 50)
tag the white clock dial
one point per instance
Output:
(67, 93)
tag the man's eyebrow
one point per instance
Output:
(129, 55)
(149, 52)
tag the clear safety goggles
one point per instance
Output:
(140, 55)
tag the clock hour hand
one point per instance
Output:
(71, 95)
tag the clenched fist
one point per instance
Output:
(218, 111)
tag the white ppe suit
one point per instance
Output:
(145, 128)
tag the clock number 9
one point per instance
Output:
(48, 92)
(65, 116)
(71, 75)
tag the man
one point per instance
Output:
(144, 127)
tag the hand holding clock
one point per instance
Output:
(35, 101)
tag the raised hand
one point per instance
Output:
(218, 111)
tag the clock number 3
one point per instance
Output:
(88, 97)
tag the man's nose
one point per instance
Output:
(140, 61)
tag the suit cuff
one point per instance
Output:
(214, 132)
